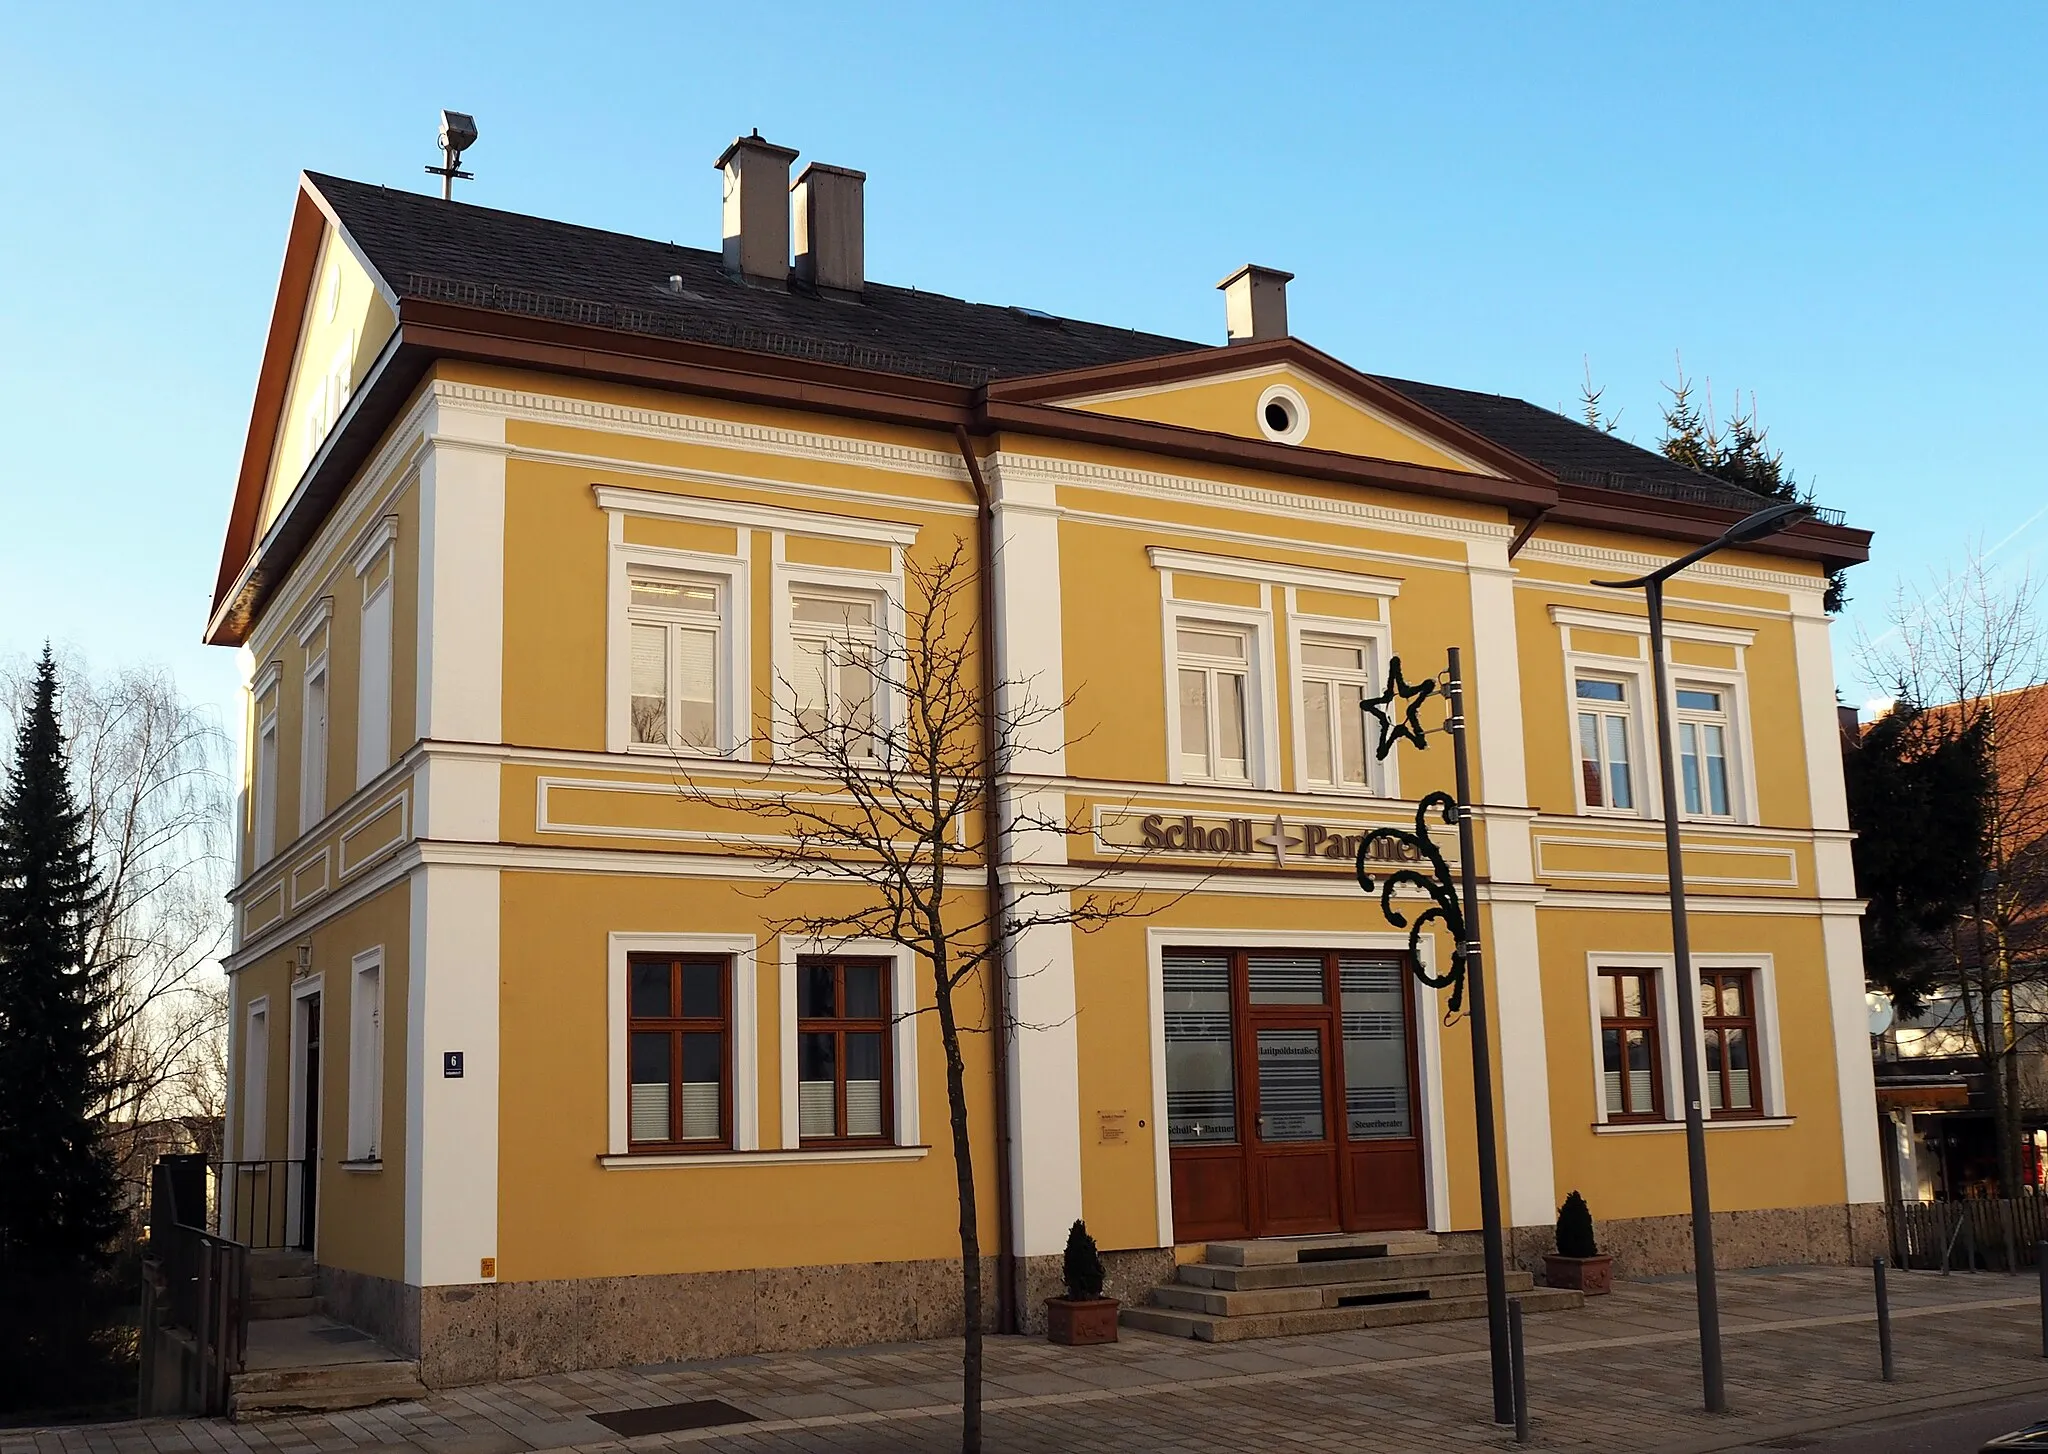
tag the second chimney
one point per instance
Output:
(1255, 303)
(757, 210)
(829, 248)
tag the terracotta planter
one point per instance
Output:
(1078, 1322)
(1590, 1275)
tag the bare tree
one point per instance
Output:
(890, 728)
(150, 769)
(1973, 649)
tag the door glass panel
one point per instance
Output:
(1290, 1085)
(863, 1084)
(1285, 979)
(647, 1105)
(1201, 1099)
(1375, 1050)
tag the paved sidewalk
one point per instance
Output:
(1621, 1374)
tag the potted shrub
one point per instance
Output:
(1578, 1262)
(1084, 1315)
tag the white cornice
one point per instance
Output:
(382, 536)
(1640, 626)
(1042, 469)
(1270, 572)
(614, 498)
(709, 433)
(313, 618)
(1596, 557)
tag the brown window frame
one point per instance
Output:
(1652, 1029)
(839, 1026)
(676, 1026)
(1713, 1027)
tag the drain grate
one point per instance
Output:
(703, 1413)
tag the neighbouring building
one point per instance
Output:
(532, 515)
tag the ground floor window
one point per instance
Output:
(842, 1049)
(678, 1051)
(1728, 1032)
(1631, 1073)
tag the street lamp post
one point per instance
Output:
(1753, 527)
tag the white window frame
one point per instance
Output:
(905, 1131)
(366, 1048)
(313, 737)
(264, 775)
(1635, 680)
(1734, 680)
(255, 1088)
(885, 589)
(1770, 1070)
(729, 575)
(744, 1028)
(1734, 686)
(374, 651)
(1261, 747)
(1381, 777)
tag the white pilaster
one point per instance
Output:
(1835, 875)
(1512, 960)
(462, 576)
(451, 1146)
(1038, 972)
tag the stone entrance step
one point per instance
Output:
(1279, 1286)
(316, 1365)
(1210, 1328)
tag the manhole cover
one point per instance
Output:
(703, 1413)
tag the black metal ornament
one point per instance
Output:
(1411, 699)
(1442, 891)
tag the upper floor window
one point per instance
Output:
(313, 729)
(835, 671)
(1213, 671)
(376, 567)
(676, 624)
(1703, 731)
(1605, 735)
(263, 811)
(1336, 677)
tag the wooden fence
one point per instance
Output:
(1976, 1234)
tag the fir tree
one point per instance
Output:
(1689, 437)
(58, 1190)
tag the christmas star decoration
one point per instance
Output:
(1399, 701)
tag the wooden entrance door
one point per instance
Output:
(1291, 1093)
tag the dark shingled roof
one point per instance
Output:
(427, 248)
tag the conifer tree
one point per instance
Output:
(57, 1187)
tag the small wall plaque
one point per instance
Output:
(451, 1064)
(487, 1267)
(1112, 1128)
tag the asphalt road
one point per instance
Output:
(1951, 1431)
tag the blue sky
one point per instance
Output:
(1839, 207)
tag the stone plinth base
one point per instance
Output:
(486, 1331)
(1774, 1237)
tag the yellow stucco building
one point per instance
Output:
(532, 521)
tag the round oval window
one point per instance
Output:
(1279, 418)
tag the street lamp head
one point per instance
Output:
(1767, 521)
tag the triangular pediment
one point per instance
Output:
(1303, 399)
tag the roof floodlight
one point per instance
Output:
(458, 135)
